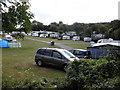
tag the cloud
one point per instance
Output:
(42, 15)
(70, 11)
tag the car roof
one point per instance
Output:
(80, 50)
(58, 49)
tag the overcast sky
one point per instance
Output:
(71, 11)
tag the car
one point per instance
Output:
(54, 56)
(81, 53)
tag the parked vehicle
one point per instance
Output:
(54, 56)
(71, 33)
(43, 35)
(81, 53)
(66, 37)
(91, 43)
(87, 39)
(35, 34)
(9, 38)
(76, 38)
(105, 40)
(1, 32)
(53, 35)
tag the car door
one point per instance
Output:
(57, 59)
(47, 56)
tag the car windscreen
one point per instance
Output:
(87, 53)
(68, 54)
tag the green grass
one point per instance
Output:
(18, 64)
(44, 39)
(80, 44)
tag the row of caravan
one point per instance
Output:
(64, 37)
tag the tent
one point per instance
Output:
(3, 43)
(103, 49)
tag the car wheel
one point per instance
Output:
(39, 63)
(65, 68)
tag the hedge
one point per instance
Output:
(92, 74)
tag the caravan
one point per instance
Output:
(87, 39)
(9, 38)
(66, 37)
(76, 38)
(105, 40)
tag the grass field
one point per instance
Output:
(18, 64)
(80, 44)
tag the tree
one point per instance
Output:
(63, 27)
(114, 30)
(79, 28)
(36, 26)
(53, 26)
(16, 15)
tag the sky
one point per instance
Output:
(71, 11)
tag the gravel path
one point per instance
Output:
(58, 44)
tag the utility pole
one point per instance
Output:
(119, 10)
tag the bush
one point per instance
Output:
(26, 84)
(92, 74)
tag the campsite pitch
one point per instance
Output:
(18, 64)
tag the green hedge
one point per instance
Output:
(92, 74)
(27, 84)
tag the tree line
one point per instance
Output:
(108, 29)
(16, 16)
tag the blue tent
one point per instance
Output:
(3, 43)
